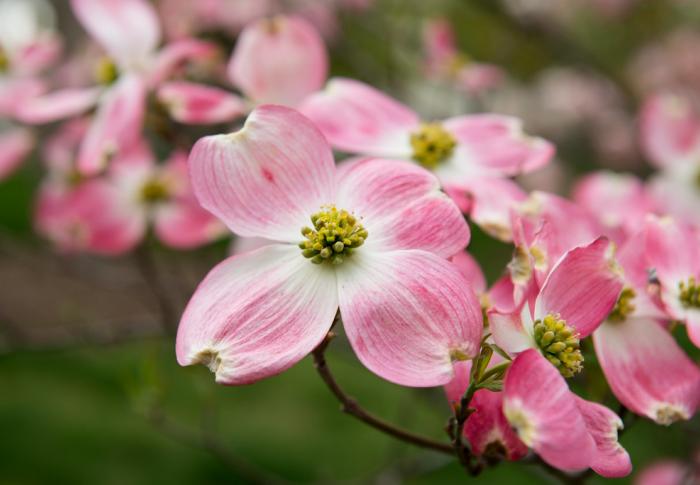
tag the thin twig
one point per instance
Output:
(351, 407)
(149, 270)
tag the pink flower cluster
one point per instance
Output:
(377, 240)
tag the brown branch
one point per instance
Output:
(351, 407)
(149, 270)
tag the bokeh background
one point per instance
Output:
(89, 388)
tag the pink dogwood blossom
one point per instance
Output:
(129, 32)
(379, 232)
(471, 155)
(276, 60)
(568, 432)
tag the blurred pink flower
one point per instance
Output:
(384, 224)
(471, 155)
(670, 136)
(276, 60)
(445, 62)
(129, 32)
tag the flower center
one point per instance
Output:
(154, 191)
(559, 344)
(432, 144)
(624, 306)
(689, 293)
(697, 175)
(335, 235)
(4, 61)
(106, 71)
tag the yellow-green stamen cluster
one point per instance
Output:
(106, 71)
(624, 306)
(154, 191)
(689, 293)
(336, 233)
(4, 61)
(559, 344)
(432, 144)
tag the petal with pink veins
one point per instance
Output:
(267, 179)
(196, 104)
(408, 315)
(646, 369)
(611, 460)
(672, 250)
(454, 390)
(15, 145)
(670, 130)
(279, 60)
(401, 206)
(58, 105)
(129, 30)
(583, 287)
(538, 404)
(116, 125)
(358, 118)
(489, 432)
(490, 144)
(257, 314)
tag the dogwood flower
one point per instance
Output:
(647, 370)
(577, 295)
(129, 32)
(445, 62)
(111, 213)
(471, 155)
(28, 45)
(568, 432)
(277, 60)
(370, 238)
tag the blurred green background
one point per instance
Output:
(89, 388)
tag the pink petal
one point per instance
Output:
(57, 105)
(279, 60)
(116, 125)
(357, 118)
(670, 130)
(672, 250)
(665, 472)
(582, 287)
(488, 201)
(509, 330)
(401, 207)
(90, 217)
(38, 55)
(454, 390)
(674, 192)
(500, 295)
(439, 42)
(538, 403)
(175, 54)
(16, 92)
(408, 314)
(267, 179)
(647, 370)
(470, 269)
(192, 103)
(15, 146)
(618, 201)
(611, 459)
(496, 145)
(488, 430)
(128, 30)
(257, 314)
